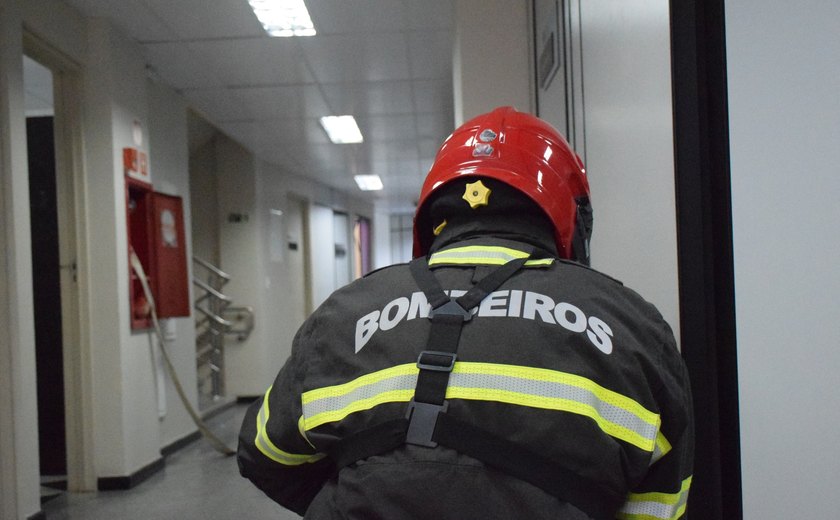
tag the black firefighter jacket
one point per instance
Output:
(560, 360)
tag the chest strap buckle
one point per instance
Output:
(451, 308)
(436, 361)
(422, 419)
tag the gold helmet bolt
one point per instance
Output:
(477, 194)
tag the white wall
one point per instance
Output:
(19, 492)
(629, 146)
(285, 305)
(342, 233)
(109, 314)
(127, 432)
(240, 251)
(322, 253)
(784, 78)
(167, 138)
(629, 142)
(381, 239)
(204, 208)
(274, 285)
(492, 57)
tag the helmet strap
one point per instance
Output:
(583, 231)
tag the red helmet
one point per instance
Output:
(526, 153)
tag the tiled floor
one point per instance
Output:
(196, 483)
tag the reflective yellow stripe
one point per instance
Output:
(334, 403)
(616, 415)
(656, 506)
(662, 448)
(267, 448)
(484, 255)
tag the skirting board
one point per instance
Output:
(128, 482)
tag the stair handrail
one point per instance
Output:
(215, 302)
(212, 268)
(210, 291)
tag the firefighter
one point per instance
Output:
(494, 376)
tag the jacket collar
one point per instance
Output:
(489, 251)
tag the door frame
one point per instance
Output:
(75, 269)
(705, 253)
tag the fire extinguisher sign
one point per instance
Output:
(136, 165)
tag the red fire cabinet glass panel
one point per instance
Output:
(170, 286)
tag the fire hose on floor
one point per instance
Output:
(214, 441)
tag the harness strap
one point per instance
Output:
(591, 497)
(376, 440)
(427, 423)
(448, 316)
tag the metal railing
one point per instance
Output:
(211, 327)
(216, 319)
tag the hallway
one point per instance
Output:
(197, 482)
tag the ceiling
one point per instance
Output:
(386, 62)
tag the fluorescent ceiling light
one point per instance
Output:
(369, 182)
(342, 129)
(283, 17)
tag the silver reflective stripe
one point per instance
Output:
(615, 414)
(656, 506)
(560, 395)
(484, 255)
(335, 403)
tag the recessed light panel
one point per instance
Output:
(368, 182)
(283, 17)
(342, 129)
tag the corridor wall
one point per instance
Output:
(626, 111)
(256, 218)
(19, 491)
(784, 126)
(116, 95)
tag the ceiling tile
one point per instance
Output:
(291, 134)
(435, 126)
(357, 57)
(429, 14)
(178, 66)
(192, 19)
(287, 101)
(407, 177)
(391, 97)
(427, 148)
(254, 61)
(131, 16)
(331, 17)
(217, 104)
(394, 151)
(433, 95)
(394, 170)
(241, 131)
(430, 54)
(387, 62)
(388, 128)
(281, 158)
(331, 157)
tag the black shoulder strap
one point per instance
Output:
(448, 316)
(427, 424)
